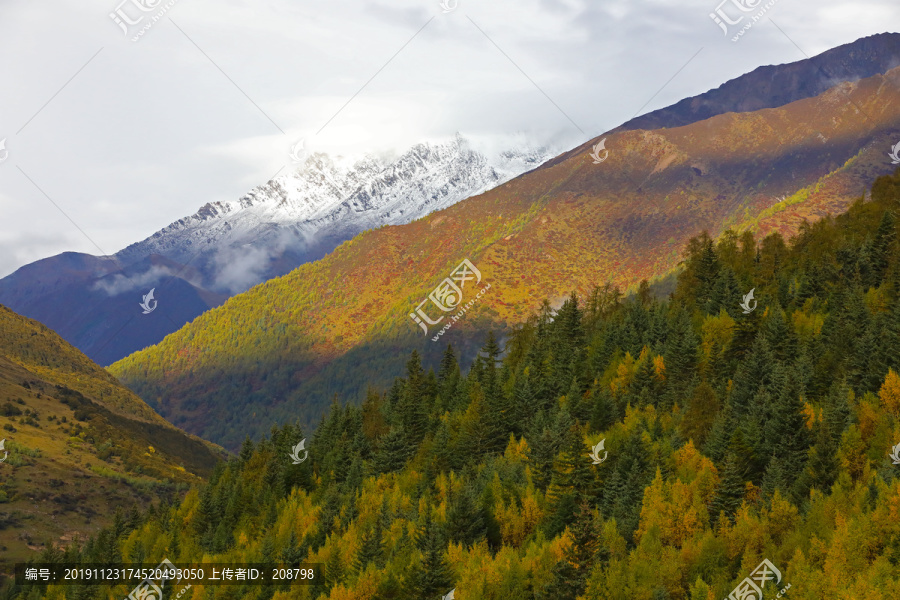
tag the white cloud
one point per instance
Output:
(150, 131)
(117, 284)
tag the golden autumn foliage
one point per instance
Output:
(717, 332)
(659, 367)
(485, 477)
(807, 325)
(889, 394)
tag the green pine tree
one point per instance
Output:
(730, 493)
(392, 452)
(334, 571)
(430, 577)
(466, 523)
(371, 549)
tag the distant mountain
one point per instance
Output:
(307, 213)
(80, 445)
(95, 302)
(287, 346)
(777, 85)
(197, 262)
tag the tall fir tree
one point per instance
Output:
(430, 577)
(414, 404)
(371, 549)
(466, 522)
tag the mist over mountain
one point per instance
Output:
(225, 248)
(660, 365)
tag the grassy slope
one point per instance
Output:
(67, 478)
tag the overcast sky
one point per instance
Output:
(110, 139)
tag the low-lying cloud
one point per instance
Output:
(118, 283)
(238, 268)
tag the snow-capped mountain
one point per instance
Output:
(196, 263)
(302, 216)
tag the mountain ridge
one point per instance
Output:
(321, 199)
(786, 83)
(228, 247)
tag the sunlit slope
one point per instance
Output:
(281, 350)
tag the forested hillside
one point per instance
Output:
(280, 351)
(731, 438)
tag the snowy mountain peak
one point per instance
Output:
(306, 213)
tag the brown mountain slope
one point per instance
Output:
(78, 445)
(284, 347)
